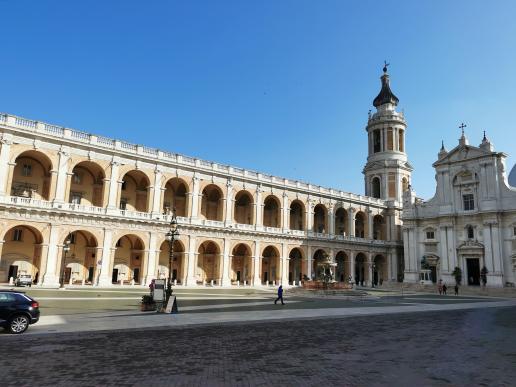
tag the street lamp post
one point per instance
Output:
(171, 236)
(66, 249)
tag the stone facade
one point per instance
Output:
(470, 223)
(113, 199)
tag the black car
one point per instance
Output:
(17, 311)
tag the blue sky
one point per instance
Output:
(282, 87)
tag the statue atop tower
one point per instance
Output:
(387, 171)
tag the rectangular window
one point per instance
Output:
(17, 235)
(27, 170)
(514, 231)
(430, 235)
(469, 202)
(75, 198)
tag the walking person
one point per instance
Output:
(456, 289)
(280, 295)
(444, 289)
(440, 287)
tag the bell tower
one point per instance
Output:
(387, 171)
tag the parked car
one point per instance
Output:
(23, 280)
(17, 311)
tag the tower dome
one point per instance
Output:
(386, 95)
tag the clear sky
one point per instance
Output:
(282, 87)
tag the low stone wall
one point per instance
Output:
(318, 285)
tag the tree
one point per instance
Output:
(457, 274)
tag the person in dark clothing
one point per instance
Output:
(444, 289)
(456, 290)
(280, 295)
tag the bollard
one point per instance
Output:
(11, 281)
(211, 282)
(267, 283)
(83, 282)
(132, 282)
(121, 282)
(70, 282)
(175, 282)
(273, 283)
(245, 283)
(238, 283)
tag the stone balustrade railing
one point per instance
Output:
(163, 156)
(23, 202)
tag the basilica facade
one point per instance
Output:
(112, 200)
(469, 225)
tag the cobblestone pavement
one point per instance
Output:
(467, 347)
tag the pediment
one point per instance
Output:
(471, 245)
(461, 153)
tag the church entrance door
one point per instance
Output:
(473, 265)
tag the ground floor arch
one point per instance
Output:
(361, 269)
(380, 270)
(21, 253)
(208, 263)
(271, 266)
(318, 257)
(178, 267)
(128, 263)
(78, 264)
(341, 270)
(295, 266)
(241, 269)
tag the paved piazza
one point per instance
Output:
(239, 337)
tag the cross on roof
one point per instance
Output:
(385, 65)
(462, 126)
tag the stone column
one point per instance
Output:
(309, 215)
(259, 207)
(285, 212)
(194, 203)
(62, 176)
(228, 213)
(226, 281)
(352, 266)
(51, 278)
(114, 185)
(191, 279)
(256, 263)
(331, 220)
(104, 278)
(369, 269)
(156, 190)
(284, 264)
(5, 151)
(351, 221)
(152, 262)
(370, 222)
(309, 261)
